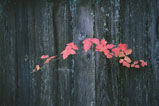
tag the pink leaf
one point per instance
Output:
(72, 52)
(143, 63)
(106, 52)
(109, 56)
(99, 48)
(137, 66)
(65, 55)
(136, 62)
(68, 50)
(121, 54)
(109, 46)
(123, 47)
(95, 41)
(103, 42)
(34, 70)
(44, 56)
(116, 51)
(37, 67)
(128, 65)
(87, 46)
(53, 57)
(128, 51)
(72, 45)
(86, 40)
(127, 59)
(125, 63)
(48, 60)
(121, 60)
(132, 65)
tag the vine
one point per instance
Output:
(121, 52)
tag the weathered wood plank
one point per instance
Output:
(8, 78)
(129, 25)
(30, 29)
(134, 25)
(63, 35)
(84, 64)
(41, 23)
(107, 71)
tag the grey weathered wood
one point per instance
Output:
(107, 70)
(8, 77)
(84, 64)
(63, 35)
(29, 29)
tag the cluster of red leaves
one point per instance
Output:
(109, 50)
(101, 46)
(70, 49)
(37, 68)
(136, 64)
(121, 51)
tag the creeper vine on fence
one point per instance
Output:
(109, 50)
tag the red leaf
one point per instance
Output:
(100, 48)
(53, 57)
(68, 50)
(128, 65)
(49, 59)
(72, 52)
(65, 55)
(106, 52)
(103, 42)
(87, 44)
(143, 63)
(127, 59)
(109, 56)
(44, 56)
(137, 66)
(109, 46)
(72, 45)
(34, 70)
(116, 51)
(95, 41)
(128, 51)
(136, 62)
(121, 60)
(125, 63)
(37, 67)
(132, 65)
(86, 40)
(123, 47)
(121, 54)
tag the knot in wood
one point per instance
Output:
(82, 36)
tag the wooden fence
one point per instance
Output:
(31, 28)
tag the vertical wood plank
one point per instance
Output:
(30, 29)
(135, 21)
(41, 22)
(107, 71)
(8, 77)
(84, 64)
(63, 35)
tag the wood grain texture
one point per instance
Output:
(84, 64)
(31, 28)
